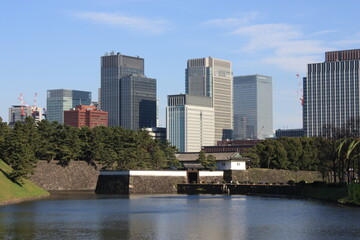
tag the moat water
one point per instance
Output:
(79, 215)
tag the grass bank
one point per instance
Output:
(344, 194)
(11, 192)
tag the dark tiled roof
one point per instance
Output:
(193, 166)
(220, 156)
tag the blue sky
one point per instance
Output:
(57, 44)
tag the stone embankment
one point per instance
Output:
(76, 176)
(271, 176)
(242, 189)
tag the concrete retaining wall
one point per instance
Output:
(271, 176)
(78, 175)
(139, 182)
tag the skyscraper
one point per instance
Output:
(59, 100)
(126, 94)
(212, 77)
(189, 122)
(253, 111)
(331, 92)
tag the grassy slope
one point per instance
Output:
(12, 191)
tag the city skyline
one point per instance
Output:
(52, 45)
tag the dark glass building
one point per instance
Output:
(126, 94)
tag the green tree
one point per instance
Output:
(208, 162)
(294, 150)
(46, 145)
(201, 158)
(68, 144)
(86, 138)
(272, 154)
(169, 151)
(346, 155)
(19, 150)
(4, 132)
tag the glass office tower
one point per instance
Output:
(253, 110)
(60, 100)
(126, 94)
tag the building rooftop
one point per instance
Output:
(220, 156)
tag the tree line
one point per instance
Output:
(115, 148)
(336, 155)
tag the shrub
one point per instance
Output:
(291, 182)
(354, 192)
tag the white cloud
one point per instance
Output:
(323, 32)
(267, 36)
(133, 23)
(347, 42)
(293, 63)
(226, 22)
(285, 43)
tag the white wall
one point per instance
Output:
(211, 173)
(231, 165)
(146, 173)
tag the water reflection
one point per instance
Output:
(90, 216)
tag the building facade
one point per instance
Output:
(289, 133)
(190, 122)
(126, 94)
(138, 102)
(253, 109)
(60, 100)
(331, 93)
(84, 115)
(20, 112)
(211, 77)
(158, 133)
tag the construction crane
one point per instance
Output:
(300, 90)
(34, 110)
(23, 103)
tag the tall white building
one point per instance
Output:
(190, 122)
(211, 77)
(331, 93)
(253, 110)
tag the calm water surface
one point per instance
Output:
(90, 216)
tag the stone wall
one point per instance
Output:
(77, 175)
(211, 176)
(154, 184)
(271, 176)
